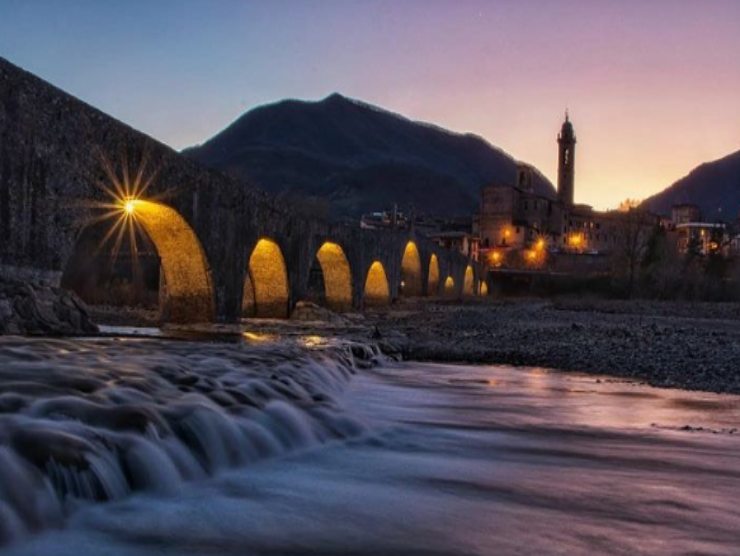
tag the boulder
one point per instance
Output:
(308, 311)
(27, 308)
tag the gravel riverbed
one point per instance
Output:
(685, 345)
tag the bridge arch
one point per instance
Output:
(411, 280)
(266, 289)
(469, 281)
(377, 291)
(336, 276)
(433, 276)
(483, 289)
(449, 287)
(184, 282)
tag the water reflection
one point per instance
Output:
(314, 341)
(259, 337)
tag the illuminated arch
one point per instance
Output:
(266, 284)
(188, 290)
(469, 282)
(377, 291)
(411, 284)
(449, 287)
(483, 288)
(433, 277)
(337, 276)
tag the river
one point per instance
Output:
(132, 447)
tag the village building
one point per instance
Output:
(517, 224)
(693, 234)
(463, 242)
(702, 238)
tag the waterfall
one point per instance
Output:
(88, 421)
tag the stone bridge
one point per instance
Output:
(226, 249)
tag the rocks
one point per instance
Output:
(27, 308)
(308, 311)
(661, 343)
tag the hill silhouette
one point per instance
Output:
(359, 158)
(713, 186)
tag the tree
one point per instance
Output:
(628, 205)
(635, 229)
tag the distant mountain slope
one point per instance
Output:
(713, 186)
(359, 158)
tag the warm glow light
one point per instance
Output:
(314, 341)
(495, 258)
(377, 291)
(189, 291)
(266, 287)
(483, 288)
(433, 277)
(449, 286)
(337, 276)
(258, 337)
(469, 281)
(130, 206)
(576, 240)
(537, 255)
(411, 270)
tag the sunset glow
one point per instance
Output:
(652, 88)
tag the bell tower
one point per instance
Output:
(566, 162)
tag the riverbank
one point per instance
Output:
(681, 345)
(695, 346)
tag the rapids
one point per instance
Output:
(96, 420)
(135, 447)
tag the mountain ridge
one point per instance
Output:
(309, 147)
(714, 186)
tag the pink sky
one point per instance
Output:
(653, 86)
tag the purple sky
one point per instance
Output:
(653, 86)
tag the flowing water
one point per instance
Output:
(141, 446)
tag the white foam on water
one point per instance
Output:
(93, 421)
(405, 459)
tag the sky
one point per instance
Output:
(652, 86)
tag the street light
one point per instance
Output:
(129, 206)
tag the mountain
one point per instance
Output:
(359, 158)
(713, 186)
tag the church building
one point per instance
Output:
(519, 223)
